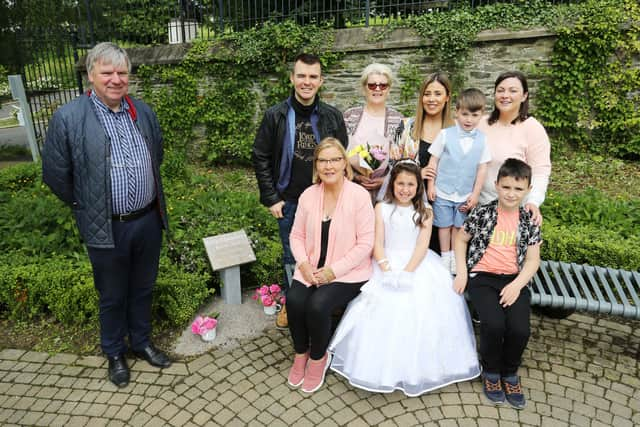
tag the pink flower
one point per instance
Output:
(379, 154)
(203, 324)
(274, 289)
(264, 290)
(267, 301)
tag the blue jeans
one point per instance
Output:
(284, 225)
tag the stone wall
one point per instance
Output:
(492, 53)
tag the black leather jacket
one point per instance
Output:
(267, 147)
(76, 164)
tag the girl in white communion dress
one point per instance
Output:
(407, 330)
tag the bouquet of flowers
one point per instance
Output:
(269, 295)
(205, 326)
(370, 159)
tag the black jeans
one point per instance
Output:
(309, 313)
(504, 332)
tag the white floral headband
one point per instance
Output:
(407, 161)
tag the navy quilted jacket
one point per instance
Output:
(76, 164)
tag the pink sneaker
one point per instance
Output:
(314, 377)
(296, 374)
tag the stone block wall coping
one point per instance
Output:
(346, 40)
(360, 39)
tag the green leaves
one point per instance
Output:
(221, 85)
(589, 95)
(592, 228)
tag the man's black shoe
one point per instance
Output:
(118, 371)
(153, 356)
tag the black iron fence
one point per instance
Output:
(167, 21)
(44, 43)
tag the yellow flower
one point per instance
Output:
(357, 150)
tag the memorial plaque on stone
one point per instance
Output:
(226, 253)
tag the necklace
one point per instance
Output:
(326, 217)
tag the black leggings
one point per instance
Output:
(504, 332)
(309, 313)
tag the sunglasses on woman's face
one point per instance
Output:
(373, 86)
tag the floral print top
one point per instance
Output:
(480, 224)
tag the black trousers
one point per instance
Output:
(124, 278)
(309, 313)
(504, 332)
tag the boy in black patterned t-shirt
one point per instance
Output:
(504, 255)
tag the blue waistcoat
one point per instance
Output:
(457, 170)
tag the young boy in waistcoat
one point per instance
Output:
(460, 156)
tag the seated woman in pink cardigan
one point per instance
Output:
(331, 241)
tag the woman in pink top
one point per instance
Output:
(331, 241)
(512, 133)
(374, 124)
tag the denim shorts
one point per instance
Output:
(446, 213)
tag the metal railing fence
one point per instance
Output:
(162, 21)
(47, 43)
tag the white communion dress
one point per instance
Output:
(405, 331)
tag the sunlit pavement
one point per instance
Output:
(581, 371)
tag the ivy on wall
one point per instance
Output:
(453, 33)
(590, 97)
(221, 86)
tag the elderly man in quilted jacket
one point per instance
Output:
(102, 157)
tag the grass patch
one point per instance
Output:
(8, 122)
(14, 152)
(576, 172)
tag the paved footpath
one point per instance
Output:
(582, 371)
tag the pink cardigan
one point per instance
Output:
(350, 234)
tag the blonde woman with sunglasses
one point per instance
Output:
(374, 124)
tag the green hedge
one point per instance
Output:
(63, 287)
(591, 228)
(590, 244)
(45, 269)
(33, 222)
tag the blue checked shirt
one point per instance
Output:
(130, 159)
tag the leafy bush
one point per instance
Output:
(590, 244)
(201, 203)
(589, 97)
(32, 220)
(593, 208)
(178, 294)
(31, 286)
(591, 228)
(205, 206)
